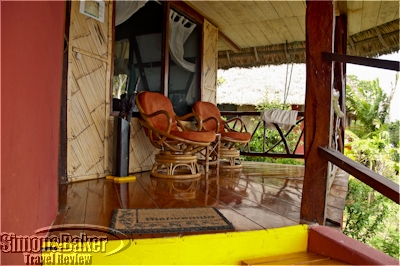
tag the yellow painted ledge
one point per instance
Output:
(211, 249)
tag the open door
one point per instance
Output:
(88, 89)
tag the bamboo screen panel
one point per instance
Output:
(141, 151)
(210, 62)
(89, 66)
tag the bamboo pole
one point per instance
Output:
(108, 84)
(81, 51)
(69, 88)
(83, 178)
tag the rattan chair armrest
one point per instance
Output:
(216, 121)
(163, 136)
(160, 112)
(235, 119)
(186, 117)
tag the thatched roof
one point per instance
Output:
(377, 41)
(266, 55)
(261, 84)
(255, 33)
(383, 39)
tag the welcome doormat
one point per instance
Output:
(142, 221)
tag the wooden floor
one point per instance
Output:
(259, 196)
(336, 198)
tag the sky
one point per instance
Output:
(386, 80)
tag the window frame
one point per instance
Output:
(191, 14)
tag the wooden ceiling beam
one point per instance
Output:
(263, 53)
(340, 8)
(234, 47)
(378, 32)
(352, 43)
(227, 56)
(286, 52)
(188, 10)
(384, 36)
(256, 54)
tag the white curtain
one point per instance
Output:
(180, 29)
(125, 9)
(178, 34)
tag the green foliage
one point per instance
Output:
(369, 103)
(364, 211)
(394, 137)
(272, 137)
(390, 243)
(369, 216)
(119, 85)
(394, 142)
(374, 152)
(220, 81)
(266, 105)
(388, 240)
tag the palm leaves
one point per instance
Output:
(370, 105)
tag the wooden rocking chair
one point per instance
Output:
(231, 140)
(178, 145)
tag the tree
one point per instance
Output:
(395, 143)
(394, 133)
(369, 215)
(369, 103)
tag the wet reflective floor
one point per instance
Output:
(259, 196)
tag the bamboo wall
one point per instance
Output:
(141, 151)
(88, 94)
(89, 124)
(210, 62)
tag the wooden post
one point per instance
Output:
(319, 38)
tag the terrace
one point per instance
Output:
(260, 196)
(68, 134)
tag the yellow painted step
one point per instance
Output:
(204, 249)
(300, 258)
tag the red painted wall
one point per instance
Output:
(31, 67)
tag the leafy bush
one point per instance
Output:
(394, 137)
(371, 218)
(364, 211)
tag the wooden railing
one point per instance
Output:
(267, 150)
(380, 183)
